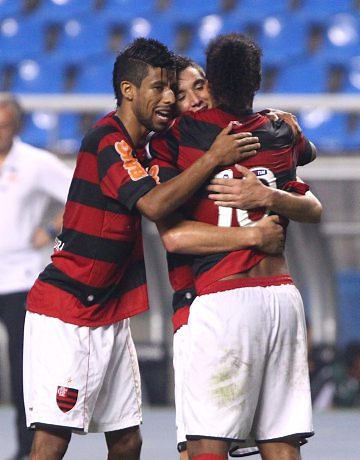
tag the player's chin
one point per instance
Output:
(160, 124)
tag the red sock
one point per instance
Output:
(209, 457)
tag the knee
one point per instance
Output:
(126, 445)
(50, 444)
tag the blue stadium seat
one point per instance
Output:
(352, 83)
(20, 38)
(125, 10)
(283, 39)
(303, 76)
(51, 10)
(141, 26)
(95, 77)
(192, 10)
(39, 129)
(7, 72)
(68, 132)
(38, 77)
(323, 9)
(9, 8)
(342, 38)
(208, 27)
(349, 312)
(325, 128)
(81, 38)
(168, 31)
(258, 10)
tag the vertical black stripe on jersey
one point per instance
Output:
(91, 141)
(197, 134)
(274, 135)
(164, 150)
(172, 145)
(309, 156)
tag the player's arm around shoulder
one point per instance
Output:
(227, 148)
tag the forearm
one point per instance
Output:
(300, 208)
(168, 196)
(226, 149)
(199, 238)
(42, 236)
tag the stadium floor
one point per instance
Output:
(337, 437)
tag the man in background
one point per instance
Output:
(30, 178)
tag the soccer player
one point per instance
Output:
(192, 94)
(246, 373)
(80, 367)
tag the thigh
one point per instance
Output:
(180, 344)
(228, 334)
(60, 387)
(285, 402)
(118, 405)
(286, 450)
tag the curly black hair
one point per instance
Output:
(132, 63)
(233, 70)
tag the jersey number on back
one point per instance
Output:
(242, 215)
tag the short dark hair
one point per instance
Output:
(233, 70)
(183, 62)
(132, 63)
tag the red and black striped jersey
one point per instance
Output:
(189, 137)
(97, 273)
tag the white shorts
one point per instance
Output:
(247, 373)
(80, 377)
(180, 342)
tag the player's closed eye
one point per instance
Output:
(200, 85)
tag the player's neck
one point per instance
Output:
(136, 131)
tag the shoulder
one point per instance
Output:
(106, 132)
(31, 154)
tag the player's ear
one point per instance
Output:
(127, 90)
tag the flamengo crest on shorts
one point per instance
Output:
(66, 398)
